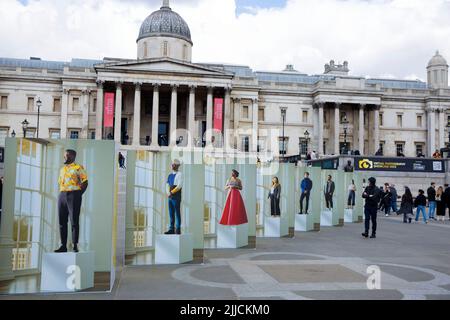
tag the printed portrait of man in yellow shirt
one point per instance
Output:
(73, 182)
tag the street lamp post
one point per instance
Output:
(283, 115)
(345, 123)
(25, 124)
(39, 105)
(306, 134)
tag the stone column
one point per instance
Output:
(173, 116)
(64, 112)
(99, 112)
(226, 126)
(155, 115)
(316, 125)
(376, 129)
(441, 128)
(191, 117)
(85, 114)
(118, 114)
(361, 129)
(209, 115)
(236, 117)
(337, 128)
(255, 106)
(137, 115)
(320, 131)
(431, 127)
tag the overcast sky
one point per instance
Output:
(388, 38)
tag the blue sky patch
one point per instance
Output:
(246, 6)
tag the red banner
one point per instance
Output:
(218, 114)
(108, 114)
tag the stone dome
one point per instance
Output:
(165, 23)
(437, 60)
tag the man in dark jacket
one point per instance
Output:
(328, 192)
(431, 193)
(446, 196)
(306, 187)
(394, 198)
(372, 195)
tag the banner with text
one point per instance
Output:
(399, 164)
(218, 114)
(108, 114)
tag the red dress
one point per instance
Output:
(234, 213)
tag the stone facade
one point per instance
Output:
(322, 111)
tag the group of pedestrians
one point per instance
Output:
(436, 199)
(388, 200)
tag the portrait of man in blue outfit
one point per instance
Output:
(306, 187)
(173, 190)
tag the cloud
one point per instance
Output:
(377, 37)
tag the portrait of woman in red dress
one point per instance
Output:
(234, 213)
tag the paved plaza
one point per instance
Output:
(414, 261)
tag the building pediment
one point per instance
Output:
(162, 66)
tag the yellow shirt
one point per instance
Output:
(71, 177)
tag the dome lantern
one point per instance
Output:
(437, 72)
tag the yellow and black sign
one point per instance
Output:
(399, 164)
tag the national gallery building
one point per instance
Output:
(162, 99)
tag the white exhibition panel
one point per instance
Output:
(216, 176)
(67, 272)
(147, 174)
(348, 216)
(174, 249)
(288, 194)
(326, 218)
(276, 227)
(301, 222)
(232, 237)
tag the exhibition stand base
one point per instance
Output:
(174, 249)
(301, 222)
(67, 272)
(232, 237)
(348, 215)
(326, 218)
(275, 227)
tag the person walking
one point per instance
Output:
(447, 197)
(372, 195)
(351, 195)
(328, 192)
(440, 204)
(420, 203)
(387, 200)
(431, 193)
(306, 187)
(274, 196)
(121, 161)
(406, 206)
(394, 198)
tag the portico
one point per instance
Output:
(153, 111)
(362, 127)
